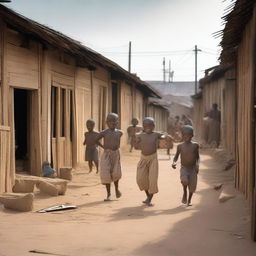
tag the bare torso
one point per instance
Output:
(188, 153)
(132, 130)
(111, 138)
(148, 142)
(91, 139)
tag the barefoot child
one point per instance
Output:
(132, 130)
(189, 154)
(147, 169)
(91, 142)
(110, 167)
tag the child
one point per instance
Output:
(91, 142)
(147, 169)
(110, 167)
(132, 130)
(189, 154)
(48, 171)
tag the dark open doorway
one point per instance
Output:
(21, 129)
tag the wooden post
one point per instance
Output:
(253, 218)
(134, 101)
(92, 93)
(4, 79)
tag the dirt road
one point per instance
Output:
(125, 226)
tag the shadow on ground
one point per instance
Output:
(211, 229)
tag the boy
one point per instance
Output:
(132, 130)
(91, 142)
(110, 167)
(189, 154)
(147, 169)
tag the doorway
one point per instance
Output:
(21, 116)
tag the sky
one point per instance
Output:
(157, 29)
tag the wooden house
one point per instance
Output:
(218, 86)
(160, 113)
(50, 85)
(232, 86)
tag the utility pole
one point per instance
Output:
(196, 50)
(129, 58)
(170, 71)
(164, 70)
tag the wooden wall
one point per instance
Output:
(139, 110)
(161, 117)
(197, 117)
(229, 113)
(6, 166)
(245, 69)
(61, 97)
(100, 98)
(126, 110)
(83, 91)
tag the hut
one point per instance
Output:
(232, 85)
(50, 85)
(159, 110)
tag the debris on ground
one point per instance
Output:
(43, 252)
(218, 186)
(61, 207)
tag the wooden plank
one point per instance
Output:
(12, 169)
(61, 68)
(26, 81)
(5, 128)
(45, 88)
(35, 134)
(83, 113)
(101, 74)
(4, 81)
(59, 79)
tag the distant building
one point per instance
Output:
(175, 95)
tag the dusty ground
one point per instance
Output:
(126, 227)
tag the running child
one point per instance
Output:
(110, 166)
(147, 169)
(189, 154)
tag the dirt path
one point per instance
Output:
(126, 227)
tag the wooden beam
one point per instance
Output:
(4, 81)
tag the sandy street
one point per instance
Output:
(125, 226)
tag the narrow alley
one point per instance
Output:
(126, 226)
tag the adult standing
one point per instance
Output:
(214, 126)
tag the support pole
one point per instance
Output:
(129, 57)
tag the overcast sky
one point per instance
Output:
(156, 28)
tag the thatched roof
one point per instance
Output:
(238, 15)
(85, 56)
(214, 73)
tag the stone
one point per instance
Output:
(17, 201)
(66, 173)
(225, 197)
(218, 186)
(61, 185)
(47, 188)
(23, 186)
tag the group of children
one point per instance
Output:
(147, 170)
